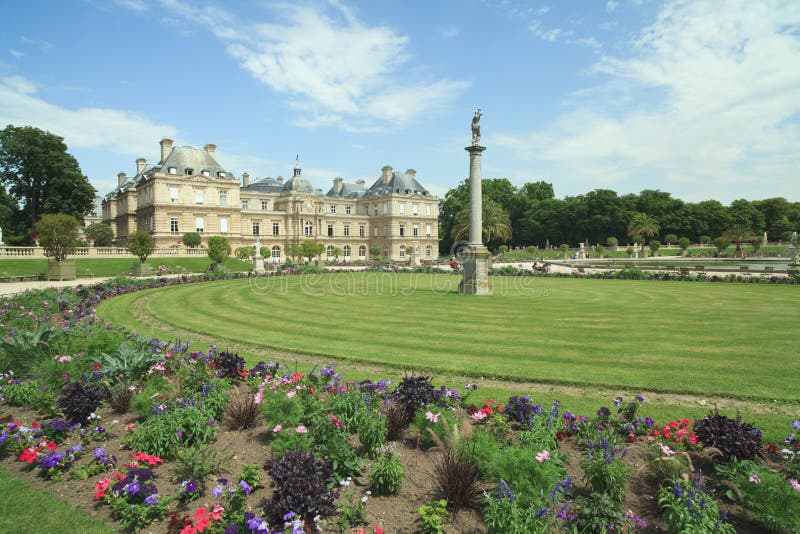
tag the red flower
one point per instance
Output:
(96, 367)
(34, 425)
(377, 529)
(51, 446)
(561, 435)
(101, 487)
(337, 422)
(630, 438)
(29, 455)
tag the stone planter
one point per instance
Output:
(142, 269)
(61, 270)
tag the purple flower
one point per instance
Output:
(133, 487)
(189, 486)
(152, 499)
(796, 424)
(245, 487)
(603, 412)
(639, 397)
(4, 436)
(232, 529)
(618, 401)
(288, 516)
(52, 460)
(222, 481)
(99, 452)
(217, 491)
(649, 422)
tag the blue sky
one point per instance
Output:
(701, 99)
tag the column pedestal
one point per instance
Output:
(476, 272)
(258, 264)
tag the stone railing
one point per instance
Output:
(100, 252)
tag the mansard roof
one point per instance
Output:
(267, 184)
(347, 191)
(197, 159)
(402, 183)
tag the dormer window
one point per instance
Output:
(222, 174)
(172, 170)
(189, 171)
(204, 172)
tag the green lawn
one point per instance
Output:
(94, 267)
(732, 340)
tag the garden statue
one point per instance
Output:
(476, 127)
(1, 236)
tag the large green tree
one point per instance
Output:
(643, 226)
(41, 176)
(58, 235)
(496, 225)
(101, 233)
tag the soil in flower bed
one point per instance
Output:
(393, 514)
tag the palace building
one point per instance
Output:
(189, 191)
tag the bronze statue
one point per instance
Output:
(476, 127)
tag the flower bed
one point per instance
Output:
(151, 434)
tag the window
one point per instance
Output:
(151, 224)
(223, 225)
(402, 208)
(347, 232)
(427, 230)
(264, 205)
(428, 251)
(346, 250)
(375, 231)
(360, 230)
(173, 225)
(402, 250)
(427, 209)
(222, 174)
(415, 209)
(173, 194)
(198, 196)
(189, 171)
(199, 224)
(415, 231)
(385, 208)
(172, 170)
(205, 173)
(385, 231)
(386, 253)
(330, 230)
(348, 209)
(223, 198)
(329, 252)
(309, 229)
(276, 252)
(256, 227)
(333, 208)
(276, 228)
(402, 230)
(366, 210)
(362, 251)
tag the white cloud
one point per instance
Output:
(134, 5)
(547, 35)
(336, 70)
(122, 131)
(16, 53)
(611, 6)
(709, 97)
(41, 44)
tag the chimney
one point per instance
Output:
(361, 183)
(386, 174)
(280, 179)
(166, 148)
(140, 163)
(337, 185)
(121, 178)
(211, 148)
(412, 173)
(245, 179)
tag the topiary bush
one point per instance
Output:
(79, 400)
(300, 480)
(733, 438)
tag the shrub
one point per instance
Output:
(371, 432)
(396, 422)
(655, 244)
(219, 249)
(604, 470)
(413, 393)
(684, 243)
(197, 464)
(228, 365)
(58, 235)
(612, 242)
(141, 245)
(162, 434)
(243, 253)
(670, 239)
(686, 507)
(130, 363)
(79, 400)
(732, 437)
(300, 481)
(528, 472)
(386, 476)
(457, 479)
(192, 239)
(434, 427)
(242, 412)
(101, 233)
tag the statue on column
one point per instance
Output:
(476, 127)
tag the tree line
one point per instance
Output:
(535, 217)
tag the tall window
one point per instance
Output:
(264, 205)
(245, 204)
(402, 250)
(348, 209)
(346, 231)
(360, 230)
(276, 252)
(276, 228)
(256, 227)
(223, 198)
(330, 230)
(309, 229)
(173, 194)
(427, 230)
(427, 209)
(415, 231)
(198, 196)
(362, 251)
(199, 224)
(402, 230)
(223, 225)
(385, 208)
(333, 208)
(385, 230)
(173, 225)
(346, 251)
(402, 208)
(329, 251)
(415, 209)
(375, 231)
(428, 251)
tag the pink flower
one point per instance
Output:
(291, 394)
(433, 418)
(666, 450)
(479, 416)
(277, 428)
(130, 427)
(543, 456)
(259, 395)
(755, 479)
(301, 430)
(795, 484)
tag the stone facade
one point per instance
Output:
(189, 191)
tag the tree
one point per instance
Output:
(533, 250)
(705, 239)
(564, 248)
(739, 234)
(309, 249)
(494, 221)
(41, 176)
(684, 243)
(375, 252)
(243, 253)
(756, 242)
(601, 251)
(612, 242)
(336, 252)
(722, 243)
(643, 226)
(192, 239)
(219, 249)
(670, 239)
(58, 235)
(655, 244)
(141, 244)
(101, 233)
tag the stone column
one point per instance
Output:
(476, 262)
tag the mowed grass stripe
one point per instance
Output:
(721, 339)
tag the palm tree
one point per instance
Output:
(643, 226)
(495, 221)
(739, 233)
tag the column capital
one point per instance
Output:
(475, 149)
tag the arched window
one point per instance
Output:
(309, 228)
(276, 252)
(362, 251)
(347, 251)
(329, 252)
